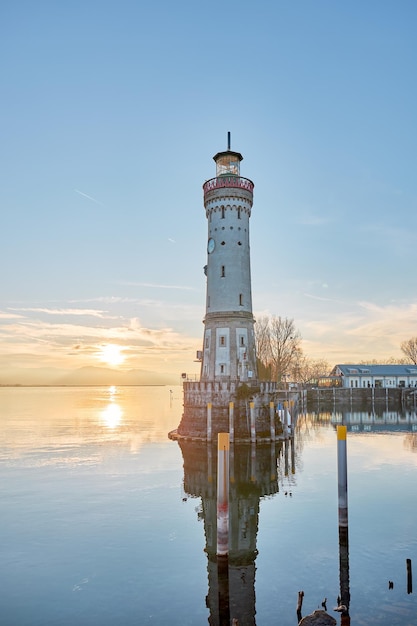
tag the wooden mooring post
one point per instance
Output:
(231, 422)
(343, 522)
(223, 448)
(209, 407)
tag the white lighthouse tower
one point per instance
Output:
(228, 397)
(229, 343)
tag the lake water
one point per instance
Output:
(104, 520)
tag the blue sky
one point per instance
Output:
(111, 113)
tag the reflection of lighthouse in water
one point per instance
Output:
(253, 474)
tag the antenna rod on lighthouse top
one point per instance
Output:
(228, 140)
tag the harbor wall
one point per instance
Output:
(251, 404)
(360, 399)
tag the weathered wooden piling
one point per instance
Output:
(409, 577)
(300, 605)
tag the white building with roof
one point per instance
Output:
(362, 376)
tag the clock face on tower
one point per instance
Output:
(210, 246)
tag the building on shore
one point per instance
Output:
(378, 376)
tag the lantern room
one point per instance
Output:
(228, 163)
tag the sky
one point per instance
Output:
(110, 115)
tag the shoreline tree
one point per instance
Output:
(307, 369)
(280, 355)
(277, 346)
(409, 348)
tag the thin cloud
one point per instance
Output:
(106, 300)
(313, 220)
(89, 312)
(321, 298)
(35, 333)
(85, 195)
(366, 331)
(4, 315)
(157, 286)
(27, 345)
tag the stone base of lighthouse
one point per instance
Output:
(226, 406)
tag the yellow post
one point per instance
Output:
(272, 419)
(342, 475)
(223, 448)
(343, 522)
(273, 462)
(231, 422)
(252, 421)
(208, 421)
(253, 462)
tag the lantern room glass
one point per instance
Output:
(228, 164)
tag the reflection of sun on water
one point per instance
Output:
(111, 354)
(112, 415)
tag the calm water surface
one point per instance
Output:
(106, 521)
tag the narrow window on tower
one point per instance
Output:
(207, 343)
(223, 272)
(222, 212)
(242, 340)
(241, 299)
(238, 214)
(221, 369)
(222, 340)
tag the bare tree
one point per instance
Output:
(285, 345)
(306, 369)
(278, 346)
(263, 340)
(409, 348)
(391, 360)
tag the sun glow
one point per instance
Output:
(111, 354)
(112, 415)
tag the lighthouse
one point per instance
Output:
(228, 397)
(229, 340)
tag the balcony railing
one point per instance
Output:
(228, 181)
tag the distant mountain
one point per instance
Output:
(31, 376)
(105, 376)
(84, 376)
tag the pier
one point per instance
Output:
(260, 413)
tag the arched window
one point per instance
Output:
(223, 272)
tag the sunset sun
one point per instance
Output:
(111, 354)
